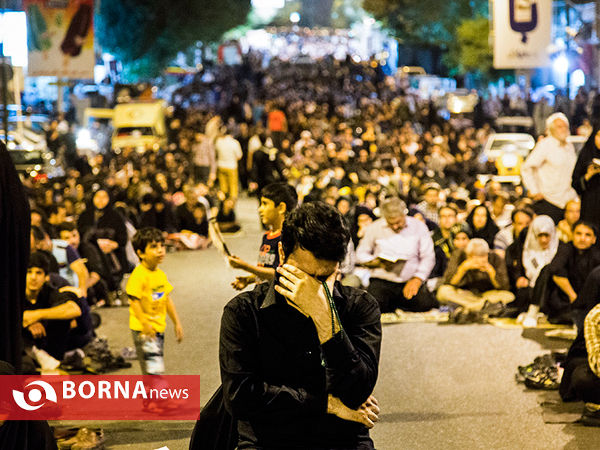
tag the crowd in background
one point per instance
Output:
(345, 134)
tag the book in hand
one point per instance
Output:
(390, 257)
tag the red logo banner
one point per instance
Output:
(111, 397)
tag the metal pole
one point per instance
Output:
(568, 42)
(4, 80)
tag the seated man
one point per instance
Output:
(102, 282)
(48, 313)
(570, 267)
(585, 381)
(430, 206)
(475, 276)
(521, 218)
(299, 356)
(572, 215)
(399, 252)
(443, 239)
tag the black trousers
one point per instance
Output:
(201, 174)
(544, 207)
(586, 384)
(390, 297)
(55, 341)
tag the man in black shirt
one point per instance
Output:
(48, 313)
(570, 267)
(299, 356)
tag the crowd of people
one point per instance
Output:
(425, 232)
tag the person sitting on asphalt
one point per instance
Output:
(192, 218)
(501, 209)
(57, 214)
(534, 249)
(521, 218)
(399, 252)
(48, 313)
(431, 203)
(184, 213)
(461, 237)
(443, 238)
(585, 380)
(226, 217)
(482, 225)
(572, 215)
(571, 265)
(475, 276)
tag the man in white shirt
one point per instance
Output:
(546, 172)
(229, 152)
(399, 252)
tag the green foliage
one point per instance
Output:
(347, 12)
(147, 34)
(343, 14)
(425, 22)
(471, 51)
(282, 18)
(449, 25)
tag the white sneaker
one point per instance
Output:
(530, 321)
(45, 361)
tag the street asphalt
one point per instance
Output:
(439, 386)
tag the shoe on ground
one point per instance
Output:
(85, 439)
(46, 361)
(543, 379)
(129, 353)
(591, 415)
(73, 360)
(530, 321)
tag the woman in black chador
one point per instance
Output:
(586, 178)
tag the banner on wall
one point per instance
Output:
(60, 38)
(522, 33)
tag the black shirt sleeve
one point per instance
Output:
(352, 356)
(245, 393)
(559, 266)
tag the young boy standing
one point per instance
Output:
(276, 201)
(148, 291)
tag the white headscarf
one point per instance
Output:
(535, 258)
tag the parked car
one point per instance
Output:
(37, 164)
(506, 152)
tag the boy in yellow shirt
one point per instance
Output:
(148, 291)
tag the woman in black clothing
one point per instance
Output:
(586, 180)
(361, 217)
(482, 225)
(157, 213)
(101, 222)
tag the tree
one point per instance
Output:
(425, 22)
(316, 13)
(345, 13)
(471, 51)
(147, 34)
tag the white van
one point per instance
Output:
(140, 125)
